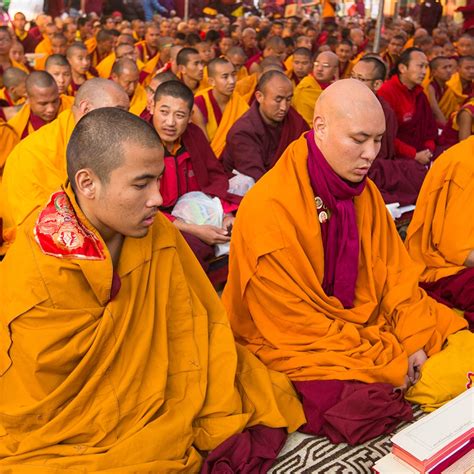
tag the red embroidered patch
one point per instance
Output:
(470, 376)
(59, 232)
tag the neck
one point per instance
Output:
(191, 83)
(269, 122)
(440, 82)
(221, 99)
(151, 49)
(78, 78)
(407, 84)
(169, 145)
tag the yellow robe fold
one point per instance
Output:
(279, 310)
(305, 96)
(139, 384)
(22, 119)
(455, 84)
(246, 87)
(441, 233)
(217, 133)
(104, 68)
(450, 100)
(138, 100)
(3, 96)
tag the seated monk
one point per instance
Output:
(149, 47)
(150, 90)
(320, 285)
(465, 45)
(122, 50)
(101, 45)
(218, 108)
(462, 81)
(80, 61)
(261, 135)
(126, 74)
(274, 47)
(246, 86)
(237, 57)
(443, 99)
(121, 357)
(393, 51)
(37, 166)
(441, 234)
(459, 127)
(190, 68)
(190, 166)
(325, 70)
(301, 41)
(58, 66)
(301, 65)
(58, 46)
(14, 87)
(43, 105)
(417, 129)
(158, 62)
(344, 54)
(398, 180)
(6, 62)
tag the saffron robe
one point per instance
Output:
(218, 123)
(448, 99)
(144, 53)
(246, 87)
(22, 121)
(138, 101)
(7, 101)
(274, 296)
(417, 128)
(441, 233)
(456, 84)
(136, 380)
(305, 96)
(253, 147)
(398, 179)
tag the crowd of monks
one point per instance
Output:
(116, 352)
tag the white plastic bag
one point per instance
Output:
(240, 183)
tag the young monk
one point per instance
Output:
(58, 46)
(80, 61)
(126, 74)
(417, 129)
(237, 57)
(58, 66)
(141, 371)
(301, 65)
(100, 46)
(441, 233)
(394, 49)
(320, 285)
(190, 68)
(14, 87)
(462, 81)
(150, 46)
(5, 60)
(344, 54)
(325, 70)
(37, 166)
(274, 46)
(150, 90)
(218, 108)
(43, 104)
(190, 166)
(258, 138)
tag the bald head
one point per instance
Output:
(126, 74)
(13, 77)
(349, 133)
(325, 68)
(39, 80)
(98, 93)
(43, 95)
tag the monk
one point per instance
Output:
(125, 73)
(122, 50)
(462, 81)
(320, 285)
(147, 374)
(325, 71)
(398, 180)
(190, 166)
(257, 140)
(44, 46)
(301, 41)
(150, 90)
(344, 54)
(393, 51)
(443, 99)
(218, 108)
(149, 47)
(440, 235)
(248, 41)
(100, 46)
(190, 68)
(37, 166)
(43, 104)
(14, 89)
(465, 45)
(274, 46)
(237, 57)
(5, 46)
(58, 46)
(417, 129)
(80, 61)
(58, 66)
(302, 65)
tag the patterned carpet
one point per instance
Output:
(315, 454)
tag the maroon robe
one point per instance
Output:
(398, 179)
(253, 147)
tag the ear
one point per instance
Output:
(319, 126)
(377, 84)
(113, 76)
(402, 68)
(259, 96)
(86, 183)
(211, 81)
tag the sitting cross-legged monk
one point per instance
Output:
(258, 138)
(441, 234)
(190, 166)
(116, 352)
(320, 285)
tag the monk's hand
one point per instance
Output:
(415, 362)
(228, 222)
(423, 157)
(212, 235)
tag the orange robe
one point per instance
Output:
(450, 101)
(4, 96)
(274, 296)
(441, 233)
(142, 382)
(217, 132)
(21, 121)
(104, 68)
(246, 87)
(138, 101)
(305, 96)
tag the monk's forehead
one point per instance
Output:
(38, 91)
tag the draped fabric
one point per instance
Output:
(305, 96)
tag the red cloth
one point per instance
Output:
(455, 291)
(351, 412)
(339, 233)
(398, 179)
(416, 124)
(256, 58)
(251, 452)
(253, 147)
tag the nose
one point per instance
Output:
(371, 150)
(155, 198)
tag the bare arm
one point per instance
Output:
(464, 121)
(440, 118)
(198, 119)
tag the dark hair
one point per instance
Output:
(175, 89)
(405, 59)
(379, 66)
(183, 56)
(268, 76)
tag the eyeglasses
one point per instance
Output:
(324, 65)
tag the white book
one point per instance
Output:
(390, 464)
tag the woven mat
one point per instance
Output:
(316, 454)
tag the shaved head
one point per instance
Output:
(349, 133)
(39, 80)
(123, 65)
(325, 67)
(43, 95)
(14, 76)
